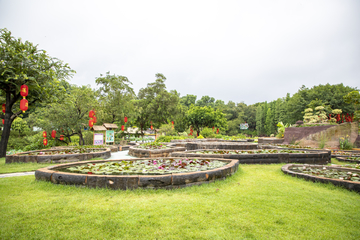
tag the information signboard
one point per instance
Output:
(109, 136)
(98, 138)
(244, 126)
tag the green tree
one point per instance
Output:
(115, 97)
(201, 117)
(259, 120)
(23, 63)
(206, 101)
(353, 98)
(188, 100)
(70, 116)
(154, 103)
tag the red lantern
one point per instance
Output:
(91, 114)
(61, 137)
(24, 105)
(125, 119)
(151, 127)
(53, 133)
(217, 131)
(172, 122)
(91, 122)
(94, 119)
(44, 134)
(3, 108)
(45, 141)
(122, 127)
(24, 90)
(3, 122)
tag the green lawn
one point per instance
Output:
(20, 167)
(258, 202)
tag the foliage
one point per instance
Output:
(309, 115)
(22, 63)
(115, 97)
(70, 115)
(167, 129)
(206, 101)
(345, 144)
(354, 99)
(281, 129)
(200, 137)
(201, 117)
(155, 104)
(152, 145)
(328, 173)
(20, 126)
(207, 133)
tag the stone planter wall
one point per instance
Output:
(355, 186)
(222, 145)
(58, 158)
(124, 182)
(146, 153)
(263, 158)
(343, 159)
(270, 140)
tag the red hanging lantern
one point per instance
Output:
(172, 122)
(24, 105)
(125, 119)
(122, 127)
(3, 108)
(45, 142)
(91, 114)
(91, 122)
(3, 122)
(61, 137)
(44, 134)
(94, 119)
(151, 127)
(53, 133)
(217, 131)
(24, 90)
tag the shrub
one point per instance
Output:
(207, 133)
(345, 144)
(200, 137)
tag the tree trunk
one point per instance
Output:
(8, 121)
(81, 139)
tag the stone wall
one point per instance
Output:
(313, 136)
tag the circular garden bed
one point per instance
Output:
(261, 156)
(60, 155)
(337, 175)
(151, 150)
(152, 173)
(349, 159)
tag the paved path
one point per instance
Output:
(114, 155)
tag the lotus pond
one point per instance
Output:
(152, 146)
(327, 173)
(65, 151)
(291, 146)
(249, 152)
(147, 167)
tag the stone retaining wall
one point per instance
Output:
(355, 186)
(58, 158)
(270, 140)
(124, 182)
(263, 158)
(222, 145)
(142, 153)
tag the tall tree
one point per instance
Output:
(115, 96)
(23, 63)
(188, 100)
(70, 116)
(201, 117)
(154, 103)
(206, 101)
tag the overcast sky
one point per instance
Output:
(244, 51)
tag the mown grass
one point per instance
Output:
(24, 167)
(258, 202)
(20, 167)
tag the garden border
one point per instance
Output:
(262, 158)
(337, 182)
(19, 157)
(124, 182)
(150, 153)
